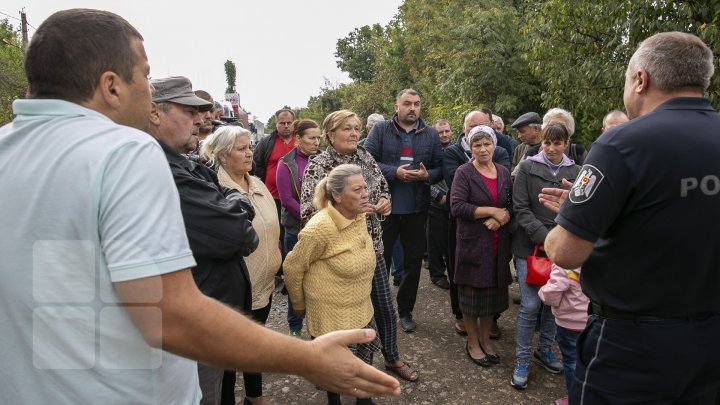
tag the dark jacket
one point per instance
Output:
(291, 224)
(455, 156)
(474, 257)
(506, 142)
(532, 221)
(262, 153)
(385, 143)
(219, 229)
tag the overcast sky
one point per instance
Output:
(283, 50)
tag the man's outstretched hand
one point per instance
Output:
(553, 198)
(336, 369)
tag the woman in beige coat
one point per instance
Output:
(230, 151)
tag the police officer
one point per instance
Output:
(641, 220)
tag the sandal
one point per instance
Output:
(404, 371)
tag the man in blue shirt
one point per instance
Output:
(98, 303)
(641, 221)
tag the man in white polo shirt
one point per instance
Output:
(95, 261)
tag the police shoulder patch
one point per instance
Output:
(586, 183)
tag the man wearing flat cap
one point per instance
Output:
(217, 219)
(529, 128)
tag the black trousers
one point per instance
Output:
(411, 230)
(451, 245)
(648, 362)
(253, 381)
(437, 232)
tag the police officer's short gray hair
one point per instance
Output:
(674, 61)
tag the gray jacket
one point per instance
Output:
(532, 221)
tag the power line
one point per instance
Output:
(15, 18)
(8, 15)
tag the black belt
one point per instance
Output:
(615, 314)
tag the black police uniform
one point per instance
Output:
(648, 196)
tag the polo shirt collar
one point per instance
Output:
(31, 108)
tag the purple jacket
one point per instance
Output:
(474, 253)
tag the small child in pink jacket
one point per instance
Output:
(569, 305)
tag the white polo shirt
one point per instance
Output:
(84, 203)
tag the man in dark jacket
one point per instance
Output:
(217, 219)
(409, 155)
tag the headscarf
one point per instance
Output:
(482, 128)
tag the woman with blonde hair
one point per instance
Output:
(329, 272)
(230, 151)
(341, 130)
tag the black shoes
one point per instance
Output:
(484, 362)
(407, 323)
(442, 283)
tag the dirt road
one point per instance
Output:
(447, 376)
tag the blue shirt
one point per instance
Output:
(86, 203)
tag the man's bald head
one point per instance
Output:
(613, 119)
(475, 118)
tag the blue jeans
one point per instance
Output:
(396, 267)
(294, 323)
(567, 341)
(530, 305)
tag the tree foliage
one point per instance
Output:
(230, 76)
(356, 54)
(13, 83)
(511, 56)
(581, 49)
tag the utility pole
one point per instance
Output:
(23, 24)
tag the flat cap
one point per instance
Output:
(177, 89)
(526, 119)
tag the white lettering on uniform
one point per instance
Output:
(715, 184)
(709, 185)
(687, 184)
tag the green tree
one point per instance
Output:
(356, 52)
(13, 83)
(582, 58)
(464, 55)
(230, 76)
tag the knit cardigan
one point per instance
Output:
(265, 261)
(329, 272)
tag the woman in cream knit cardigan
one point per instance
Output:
(229, 150)
(329, 272)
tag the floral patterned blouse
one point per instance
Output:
(320, 166)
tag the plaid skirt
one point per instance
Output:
(482, 301)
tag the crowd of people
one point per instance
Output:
(150, 237)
